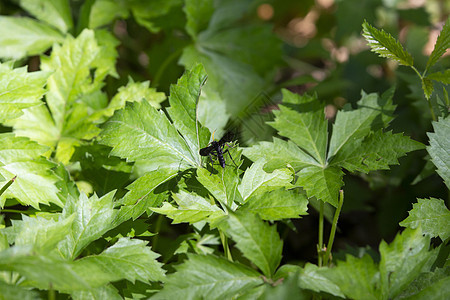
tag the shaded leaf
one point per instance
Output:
(443, 77)
(439, 148)
(432, 216)
(442, 44)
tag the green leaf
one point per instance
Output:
(198, 14)
(257, 240)
(402, 261)
(427, 87)
(35, 182)
(208, 277)
(146, 13)
(443, 77)
(432, 216)
(183, 101)
(385, 45)
(279, 154)
(376, 152)
(352, 125)
(324, 184)
(302, 120)
(438, 149)
(19, 90)
(104, 12)
(53, 12)
(442, 44)
(191, 208)
(104, 292)
(356, 278)
(129, 259)
(430, 285)
(94, 217)
(257, 181)
(22, 37)
(8, 291)
(223, 186)
(277, 205)
(42, 234)
(311, 278)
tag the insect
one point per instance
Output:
(216, 149)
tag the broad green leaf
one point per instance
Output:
(198, 14)
(302, 120)
(223, 186)
(357, 278)
(258, 241)
(104, 12)
(129, 259)
(105, 292)
(311, 278)
(257, 181)
(8, 291)
(430, 285)
(442, 44)
(432, 216)
(352, 125)
(139, 132)
(277, 205)
(439, 148)
(385, 45)
(134, 91)
(19, 90)
(191, 208)
(443, 77)
(279, 154)
(40, 233)
(324, 184)
(146, 12)
(94, 217)
(208, 277)
(20, 37)
(53, 12)
(141, 196)
(287, 289)
(183, 101)
(376, 152)
(35, 182)
(402, 261)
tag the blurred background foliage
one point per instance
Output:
(252, 49)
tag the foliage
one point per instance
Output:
(105, 195)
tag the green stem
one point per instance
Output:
(433, 116)
(334, 226)
(51, 293)
(157, 229)
(225, 245)
(320, 245)
(164, 65)
(6, 186)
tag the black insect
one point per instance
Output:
(216, 149)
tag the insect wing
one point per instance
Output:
(205, 151)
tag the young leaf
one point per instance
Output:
(19, 90)
(35, 182)
(352, 125)
(129, 259)
(438, 149)
(376, 152)
(94, 217)
(442, 44)
(302, 120)
(443, 77)
(385, 45)
(257, 181)
(53, 12)
(191, 208)
(402, 261)
(208, 277)
(20, 37)
(257, 241)
(432, 216)
(277, 205)
(427, 87)
(41, 234)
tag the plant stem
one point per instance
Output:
(164, 65)
(157, 229)
(226, 248)
(3, 189)
(320, 246)
(334, 226)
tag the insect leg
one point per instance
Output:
(226, 151)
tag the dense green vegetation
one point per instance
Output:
(336, 182)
